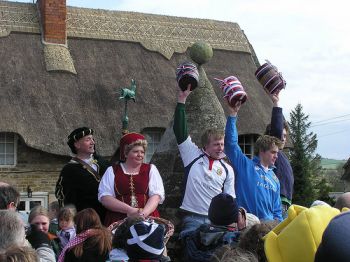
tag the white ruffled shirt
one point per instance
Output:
(155, 184)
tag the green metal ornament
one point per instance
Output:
(127, 94)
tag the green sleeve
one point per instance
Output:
(180, 123)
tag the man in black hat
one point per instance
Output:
(226, 222)
(79, 179)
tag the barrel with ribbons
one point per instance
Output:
(187, 73)
(233, 90)
(269, 77)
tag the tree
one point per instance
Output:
(304, 161)
(323, 192)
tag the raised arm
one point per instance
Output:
(276, 118)
(232, 149)
(180, 122)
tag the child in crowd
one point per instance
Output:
(66, 224)
(54, 209)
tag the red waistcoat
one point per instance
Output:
(126, 186)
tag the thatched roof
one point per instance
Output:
(43, 107)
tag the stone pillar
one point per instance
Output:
(203, 111)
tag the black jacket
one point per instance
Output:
(78, 186)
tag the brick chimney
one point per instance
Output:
(53, 15)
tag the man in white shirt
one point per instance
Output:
(206, 173)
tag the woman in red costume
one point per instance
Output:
(131, 188)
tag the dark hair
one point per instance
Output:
(67, 213)
(8, 194)
(76, 135)
(252, 239)
(89, 219)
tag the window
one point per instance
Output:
(8, 149)
(153, 137)
(27, 203)
(246, 142)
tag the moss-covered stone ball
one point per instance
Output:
(201, 52)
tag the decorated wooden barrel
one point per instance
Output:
(269, 77)
(233, 90)
(187, 73)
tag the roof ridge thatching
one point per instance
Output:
(160, 33)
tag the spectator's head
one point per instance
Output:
(39, 216)
(335, 245)
(232, 254)
(266, 148)
(19, 254)
(145, 240)
(66, 217)
(11, 229)
(252, 239)
(9, 197)
(81, 141)
(87, 219)
(212, 141)
(284, 133)
(100, 241)
(223, 210)
(54, 209)
(343, 201)
(251, 220)
(246, 220)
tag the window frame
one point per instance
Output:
(15, 144)
(252, 138)
(146, 132)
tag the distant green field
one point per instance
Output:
(327, 163)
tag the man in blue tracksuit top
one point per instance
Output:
(279, 128)
(257, 187)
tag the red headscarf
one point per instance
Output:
(127, 140)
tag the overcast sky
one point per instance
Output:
(309, 42)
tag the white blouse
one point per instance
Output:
(155, 184)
